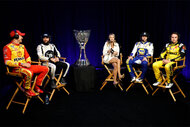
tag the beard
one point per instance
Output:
(46, 43)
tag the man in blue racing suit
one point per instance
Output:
(139, 55)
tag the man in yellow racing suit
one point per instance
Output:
(170, 53)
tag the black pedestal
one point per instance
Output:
(84, 78)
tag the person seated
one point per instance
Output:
(17, 57)
(172, 51)
(111, 53)
(139, 55)
(47, 51)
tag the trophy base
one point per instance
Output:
(82, 62)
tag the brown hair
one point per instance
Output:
(178, 35)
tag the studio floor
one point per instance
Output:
(109, 107)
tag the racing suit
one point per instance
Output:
(15, 55)
(141, 50)
(48, 51)
(171, 52)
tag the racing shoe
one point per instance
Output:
(133, 79)
(37, 89)
(139, 80)
(156, 83)
(30, 93)
(53, 84)
(169, 85)
(63, 81)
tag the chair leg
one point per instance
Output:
(16, 91)
(149, 84)
(40, 99)
(145, 88)
(172, 95)
(120, 87)
(104, 83)
(26, 104)
(47, 81)
(52, 93)
(155, 91)
(66, 90)
(129, 86)
(179, 88)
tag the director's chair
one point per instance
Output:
(176, 71)
(138, 73)
(57, 79)
(110, 76)
(19, 79)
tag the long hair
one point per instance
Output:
(109, 39)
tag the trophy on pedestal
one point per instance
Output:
(82, 37)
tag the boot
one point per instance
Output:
(53, 84)
(63, 81)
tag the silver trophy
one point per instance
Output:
(82, 37)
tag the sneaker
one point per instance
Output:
(37, 89)
(53, 84)
(63, 81)
(133, 79)
(139, 80)
(156, 83)
(169, 85)
(30, 93)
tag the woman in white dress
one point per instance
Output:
(111, 53)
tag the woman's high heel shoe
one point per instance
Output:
(122, 76)
(115, 84)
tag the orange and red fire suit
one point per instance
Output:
(15, 55)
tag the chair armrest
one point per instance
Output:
(121, 58)
(179, 60)
(43, 60)
(36, 62)
(102, 59)
(157, 59)
(180, 66)
(150, 60)
(63, 58)
(17, 74)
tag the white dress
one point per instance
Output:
(109, 56)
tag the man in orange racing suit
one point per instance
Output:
(172, 51)
(17, 57)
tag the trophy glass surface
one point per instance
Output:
(82, 37)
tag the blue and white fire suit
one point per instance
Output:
(140, 50)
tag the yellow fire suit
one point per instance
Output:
(171, 52)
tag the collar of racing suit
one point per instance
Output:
(144, 42)
(174, 43)
(14, 43)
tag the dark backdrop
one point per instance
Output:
(127, 19)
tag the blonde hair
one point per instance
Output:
(114, 39)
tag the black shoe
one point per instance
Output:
(53, 85)
(63, 81)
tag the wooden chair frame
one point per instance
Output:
(110, 76)
(138, 73)
(58, 84)
(19, 88)
(164, 83)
